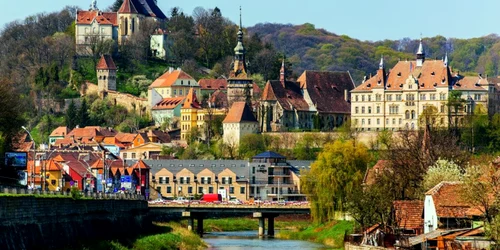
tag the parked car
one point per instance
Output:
(180, 200)
(235, 201)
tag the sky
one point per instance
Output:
(371, 20)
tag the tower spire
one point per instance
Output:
(420, 54)
(381, 64)
(283, 72)
(446, 59)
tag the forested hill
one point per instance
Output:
(316, 49)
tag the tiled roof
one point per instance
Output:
(449, 203)
(160, 135)
(106, 63)
(125, 137)
(327, 90)
(140, 165)
(256, 89)
(289, 96)
(103, 18)
(148, 8)
(191, 101)
(408, 214)
(372, 174)
(239, 112)
(60, 131)
(169, 103)
(127, 7)
(84, 132)
(432, 74)
(471, 83)
(213, 84)
(169, 78)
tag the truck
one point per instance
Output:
(211, 197)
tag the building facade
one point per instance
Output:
(239, 122)
(174, 83)
(415, 93)
(317, 100)
(267, 177)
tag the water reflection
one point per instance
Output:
(250, 240)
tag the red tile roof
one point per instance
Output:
(102, 18)
(169, 103)
(256, 89)
(106, 63)
(327, 90)
(218, 99)
(432, 74)
(191, 101)
(169, 78)
(239, 112)
(127, 7)
(408, 214)
(60, 131)
(289, 96)
(471, 83)
(213, 84)
(140, 165)
(125, 137)
(449, 203)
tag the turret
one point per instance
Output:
(420, 54)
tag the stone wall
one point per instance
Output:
(130, 102)
(47, 223)
(289, 139)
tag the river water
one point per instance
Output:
(249, 240)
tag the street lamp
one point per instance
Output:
(34, 158)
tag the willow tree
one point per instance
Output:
(333, 176)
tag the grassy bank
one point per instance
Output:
(330, 234)
(164, 236)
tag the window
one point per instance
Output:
(182, 180)
(356, 96)
(442, 96)
(188, 180)
(422, 97)
(400, 121)
(398, 97)
(231, 190)
(362, 110)
(169, 190)
(378, 121)
(433, 97)
(175, 92)
(378, 109)
(442, 108)
(369, 110)
(407, 114)
(413, 115)
(389, 97)
(160, 181)
(200, 190)
(363, 98)
(355, 121)
(393, 121)
(124, 155)
(369, 121)
(378, 97)
(357, 110)
(210, 190)
(387, 121)
(362, 121)
(369, 98)
(477, 97)
(190, 190)
(133, 155)
(180, 91)
(242, 190)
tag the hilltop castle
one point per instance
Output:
(94, 25)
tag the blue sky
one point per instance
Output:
(362, 19)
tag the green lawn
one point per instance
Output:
(330, 234)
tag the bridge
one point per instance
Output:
(200, 211)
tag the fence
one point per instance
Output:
(88, 195)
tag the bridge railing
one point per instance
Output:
(16, 191)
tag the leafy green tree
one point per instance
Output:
(333, 176)
(253, 144)
(304, 149)
(71, 118)
(116, 6)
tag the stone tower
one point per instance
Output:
(239, 85)
(106, 74)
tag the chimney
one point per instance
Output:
(346, 95)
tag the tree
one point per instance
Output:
(455, 106)
(429, 116)
(71, 116)
(115, 6)
(252, 145)
(335, 174)
(442, 170)
(305, 149)
(83, 118)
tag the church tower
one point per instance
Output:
(106, 74)
(239, 85)
(420, 54)
(128, 20)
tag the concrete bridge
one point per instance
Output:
(200, 211)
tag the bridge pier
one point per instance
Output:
(199, 227)
(194, 216)
(270, 225)
(262, 223)
(190, 223)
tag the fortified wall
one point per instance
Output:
(61, 223)
(130, 102)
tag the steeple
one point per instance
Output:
(239, 52)
(420, 54)
(446, 60)
(381, 64)
(283, 72)
(93, 5)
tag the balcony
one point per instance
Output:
(280, 173)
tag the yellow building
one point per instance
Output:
(194, 116)
(397, 99)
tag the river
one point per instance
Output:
(250, 240)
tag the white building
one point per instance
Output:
(239, 122)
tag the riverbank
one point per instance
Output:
(170, 235)
(330, 234)
(249, 223)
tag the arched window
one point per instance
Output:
(132, 24)
(369, 110)
(413, 114)
(125, 27)
(407, 114)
